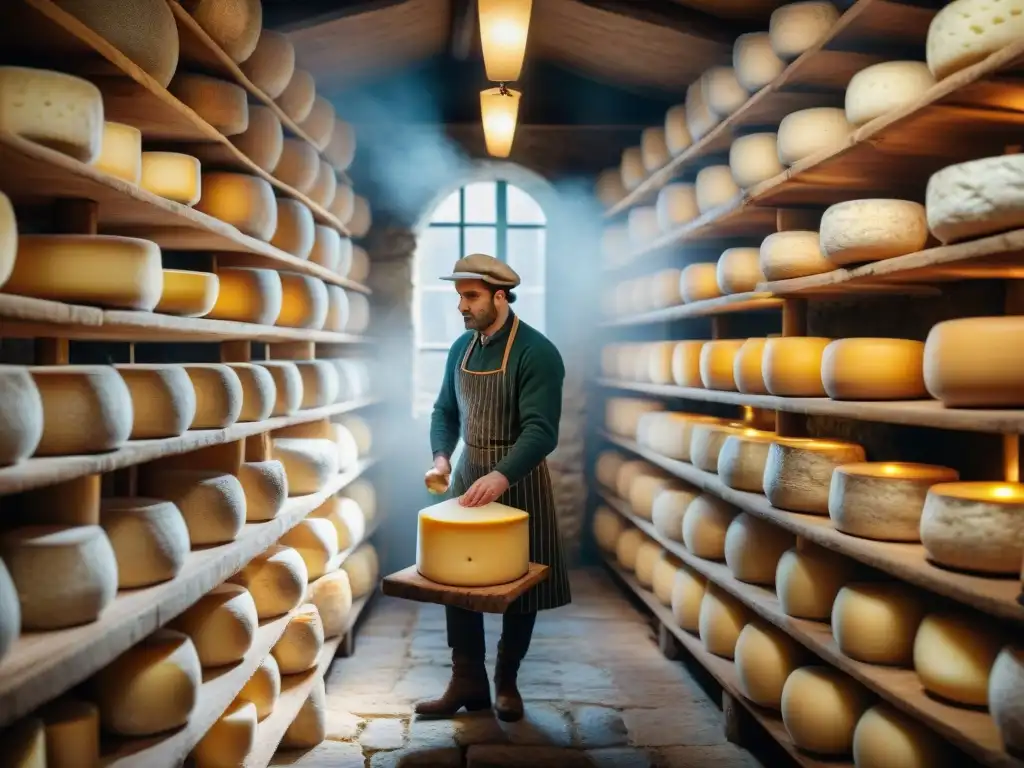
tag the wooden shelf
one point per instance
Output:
(918, 413)
(38, 472)
(971, 730)
(35, 175)
(724, 305)
(995, 596)
(724, 671)
(42, 665)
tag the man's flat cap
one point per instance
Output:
(480, 266)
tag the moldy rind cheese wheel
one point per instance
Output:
(873, 369)
(709, 437)
(858, 231)
(669, 509)
(308, 464)
(21, 412)
(272, 63)
(86, 409)
(163, 400)
(798, 472)
(316, 541)
(965, 363)
(976, 199)
(1004, 699)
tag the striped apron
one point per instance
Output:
(489, 408)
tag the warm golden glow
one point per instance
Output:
(901, 470)
(992, 492)
(748, 414)
(504, 25)
(499, 112)
(1011, 458)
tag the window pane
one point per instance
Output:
(429, 375)
(436, 253)
(481, 240)
(531, 308)
(439, 320)
(526, 254)
(523, 209)
(448, 210)
(481, 203)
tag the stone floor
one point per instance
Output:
(598, 694)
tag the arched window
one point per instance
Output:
(492, 217)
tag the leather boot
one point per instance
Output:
(508, 703)
(469, 688)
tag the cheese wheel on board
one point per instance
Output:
(234, 25)
(812, 132)
(332, 596)
(686, 364)
(608, 188)
(859, 231)
(262, 141)
(337, 309)
(222, 625)
(754, 60)
(975, 526)
(809, 578)
(741, 461)
(86, 409)
(677, 132)
(965, 365)
(362, 217)
(259, 393)
(245, 202)
(300, 644)
(271, 64)
(325, 248)
(607, 467)
(886, 87)
(25, 744)
(365, 495)
(222, 104)
(975, 199)
(627, 546)
(606, 527)
(715, 187)
(664, 577)
(664, 286)
(883, 500)
(8, 238)
(72, 729)
(319, 123)
(309, 727)
(325, 186)
(276, 579)
(1004, 698)
(798, 27)
(644, 226)
(263, 688)
(218, 395)
(248, 295)
(58, 111)
(646, 556)
(309, 464)
(796, 253)
(173, 176)
(887, 738)
(188, 294)
(212, 504)
(747, 369)
(820, 709)
(722, 618)
(754, 158)
(739, 270)
(765, 658)
(229, 740)
(723, 92)
(791, 365)
(653, 150)
(876, 622)
(303, 303)
(101, 270)
(120, 152)
(705, 525)
(873, 369)
(717, 360)
(753, 547)
(707, 439)
(687, 596)
(65, 576)
(341, 150)
(316, 541)
(699, 118)
(265, 486)
(296, 100)
(295, 231)
(21, 412)
(163, 400)
(149, 538)
(798, 472)
(669, 509)
(363, 569)
(964, 32)
(676, 205)
(954, 655)
(699, 282)
(298, 166)
(632, 168)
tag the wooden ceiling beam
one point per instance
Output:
(464, 29)
(675, 16)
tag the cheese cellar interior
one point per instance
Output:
(701, 317)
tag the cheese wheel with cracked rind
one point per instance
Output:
(222, 104)
(86, 409)
(632, 168)
(309, 727)
(301, 643)
(705, 524)
(263, 688)
(754, 158)
(820, 709)
(765, 658)
(859, 231)
(722, 618)
(873, 369)
(795, 253)
(798, 27)
(325, 186)
(230, 740)
(316, 540)
(295, 231)
(676, 205)
(319, 123)
(303, 303)
(120, 152)
(967, 31)
(21, 413)
(72, 733)
(163, 400)
(211, 503)
(248, 295)
(677, 131)
(876, 622)
(218, 395)
(741, 461)
(747, 368)
(753, 548)
(687, 595)
(715, 187)
(755, 62)
(276, 579)
(716, 363)
(245, 202)
(887, 738)
(188, 294)
(296, 100)
(259, 393)
(1004, 699)
(222, 625)
(341, 150)
(883, 88)
(265, 486)
(954, 656)
(309, 464)
(809, 578)
(989, 381)
(699, 282)
(976, 199)
(332, 596)
(653, 151)
(362, 217)
(798, 472)
(811, 132)
(272, 63)
(363, 569)
(791, 365)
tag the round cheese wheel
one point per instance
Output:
(755, 62)
(364, 494)
(643, 490)
(296, 100)
(188, 294)
(687, 596)
(622, 414)
(101, 270)
(245, 202)
(686, 364)
(295, 228)
(21, 413)
(607, 468)
(664, 285)
(299, 165)
(664, 578)
(715, 187)
(754, 158)
(343, 205)
(808, 579)
(876, 622)
(271, 64)
(325, 186)
(319, 124)
(258, 391)
(218, 395)
(872, 230)
(791, 365)
(607, 526)
(121, 152)
(172, 175)
(883, 500)
(883, 88)
(1004, 699)
(337, 311)
(627, 546)
(362, 217)
(150, 688)
(975, 199)
(975, 526)
(309, 727)
(149, 538)
(676, 205)
(739, 270)
(309, 464)
(741, 461)
(873, 369)
(820, 709)
(699, 282)
(965, 32)
(303, 303)
(86, 409)
(316, 541)
(723, 92)
(72, 733)
(212, 504)
(659, 362)
(646, 556)
(363, 569)
(234, 25)
(609, 188)
(265, 486)
(798, 27)
(248, 295)
(229, 740)
(765, 658)
(224, 105)
(747, 370)
(699, 117)
(644, 227)
(812, 132)
(669, 509)
(326, 247)
(163, 400)
(796, 253)
(954, 655)
(677, 132)
(222, 625)
(8, 238)
(632, 168)
(276, 579)
(263, 688)
(332, 596)
(670, 434)
(263, 141)
(320, 383)
(300, 645)
(653, 151)
(753, 548)
(341, 150)
(628, 474)
(964, 364)
(358, 308)
(707, 441)
(887, 738)
(722, 618)
(798, 472)
(705, 525)
(716, 362)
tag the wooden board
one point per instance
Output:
(409, 585)
(724, 305)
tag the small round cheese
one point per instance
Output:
(754, 158)
(665, 433)
(798, 27)
(304, 302)
(343, 205)
(298, 166)
(361, 432)
(665, 285)
(677, 132)
(858, 231)
(262, 142)
(716, 363)
(653, 151)
(715, 187)
(188, 294)
(332, 596)
(627, 546)
(723, 92)
(753, 548)
(320, 383)
(739, 270)
(163, 400)
(755, 62)
(873, 369)
(309, 464)
(607, 526)
(363, 569)
(272, 63)
(812, 132)
(954, 655)
(121, 152)
(149, 538)
(705, 525)
(741, 461)
(646, 556)
(699, 282)
(72, 733)
(276, 579)
(222, 625)
(287, 385)
(820, 709)
(218, 395)
(882, 500)
(664, 579)
(245, 202)
(296, 100)
(628, 474)
(265, 486)
(791, 365)
(975, 526)
(883, 88)
(722, 618)
(687, 596)
(21, 413)
(300, 644)
(212, 504)
(700, 120)
(609, 188)
(747, 369)
(172, 175)
(222, 104)
(643, 491)
(622, 414)
(1004, 699)
(808, 579)
(235, 26)
(309, 727)
(887, 738)
(632, 168)
(643, 225)
(965, 32)
(330, 249)
(248, 295)
(337, 309)
(316, 541)
(796, 253)
(707, 441)
(295, 228)
(669, 509)
(876, 622)
(798, 472)
(765, 658)
(326, 185)
(263, 688)
(86, 409)
(676, 205)
(686, 364)
(229, 740)
(965, 365)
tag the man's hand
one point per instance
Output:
(485, 490)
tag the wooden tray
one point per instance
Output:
(408, 584)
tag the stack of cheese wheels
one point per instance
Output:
(669, 510)
(722, 618)
(820, 709)
(812, 132)
(885, 736)
(627, 546)
(705, 525)
(715, 187)
(677, 132)
(791, 366)
(954, 656)
(793, 253)
(687, 595)
(858, 231)
(707, 439)
(479, 547)
(798, 27)
(873, 369)
(967, 200)
(765, 658)
(988, 382)
(753, 548)
(809, 578)
(798, 472)
(954, 45)
(883, 88)
(877, 622)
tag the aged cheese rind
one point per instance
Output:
(332, 596)
(976, 198)
(259, 392)
(755, 62)
(276, 579)
(188, 294)
(753, 548)
(716, 363)
(272, 63)
(754, 158)
(791, 365)
(699, 282)
(229, 740)
(677, 132)
(687, 595)
(86, 409)
(287, 384)
(715, 187)
(747, 368)
(222, 104)
(653, 151)
(299, 646)
(262, 141)
(263, 688)
(234, 25)
(700, 120)
(222, 625)
(309, 727)
(676, 205)
(245, 202)
(299, 165)
(669, 509)
(173, 176)
(741, 461)
(316, 541)
(8, 238)
(858, 231)
(885, 87)
(211, 503)
(304, 302)
(341, 150)
(722, 618)
(309, 464)
(820, 709)
(21, 413)
(163, 400)
(810, 132)
(798, 27)
(149, 538)
(967, 31)
(798, 472)
(886, 737)
(265, 486)
(325, 186)
(873, 369)
(248, 295)
(705, 525)
(218, 395)
(72, 733)
(1004, 699)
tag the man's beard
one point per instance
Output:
(482, 321)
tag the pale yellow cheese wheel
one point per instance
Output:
(628, 474)
(263, 688)
(245, 202)
(163, 400)
(700, 120)
(218, 395)
(677, 132)
(341, 150)
(813, 132)
(876, 622)
(722, 618)
(753, 547)
(722, 91)
(296, 100)
(627, 546)
(632, 168)
(21, 411)
(309, 464)
(299, 165)
(248, 295)
(715, 187)
(316, 541)
(962, 34)
(885, 87)
(659, 362)
(765, 658)
(287, 384)
(741, 461)
(820, 709)
(965, 364)
(798, 472)
(797, 27)
(263, 141)
(300, 645)
(212, 504)
(259, 392)
(747, 369)
(276, 579)
(687, 595)
(686, 364)
(188, 294)
(303, 302)
(739, 270)
(272, 63)
(653, 151)
(717, 359)
(149, 538)
(121, 152)
(707, 439)
(222, 625)
(332, 596)
(229, 740)
(791, 365)
(173, 176)
(873, 369)
(954, 655)
(647, 555)
(325, 186)
(705, 525)
(235, 25)
(86, 409)
(309, 727)
(887, 738)
(755, 62)
(808, 579)
(644, 489)
(363, 569)
(794, 253)
(676, 205)
(754, 158)
(295, 228)
(607, 468)
(265, 486)
(606, 527)
(222, 104)
(699, 282)
(663, 581)
(858, 231)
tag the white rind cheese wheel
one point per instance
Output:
(653, 151)
(715, 187)
(883, 88)
(304, 302)
(646, 556)
(296, 100)
(632, 168)
(968, 31)
(699, 282)
(965, 363)
(265, 486)
(298, 166)
(883, 501)
(796, 253)
(755, 62)
(248, 296)
(58, 111)
(150, 688)
(263, 688)
(479, 547)
(667, 434)
(873, 369)
(975, 526)
(808, 579)
(700, 120)
(258, 391)
(707, 439)
(976, 198)
(121, 152)
(21, 413)
(10, 611)
(300, 644)
(309, 464)
(954, 656)
(753, 548)
(628, 474)
(229, 740)
(163, 400)
(276, 579)
(664, 578)
(319, 124)
(798, 472)
(717, 360)
(765, 658)
(820, 709)
(222, 104)
(172, 175)
(218, 395)
(188, 294)
(791, 365)
(686, 364)
(212, 504)
(627, 546)
(677, 132)
(609, 188)
(262, 141)
(622, 414)
(676, 205)
(234, 25)
(341, 150)
(295, 231)
(326, 250)
(741, 461)
(332, 596)
(723, 92)
(876, 622)
(705, 525)
(86, 409)
(222, 625)
(754, 158)
(245, 202)
(858, 231)
(102, 270)
(1004, 699)
(320, 383)
(360, 431)
(272, 63)
(72, 733)
(811, 132)
(362, 217)
(644, 226)
(887, 738)
(149, 538)
(722, 618)
(309, 727)
(363, 569)
(287, 383)
(687, 595)
(747, 369)
(316, 540)
(798, 27)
